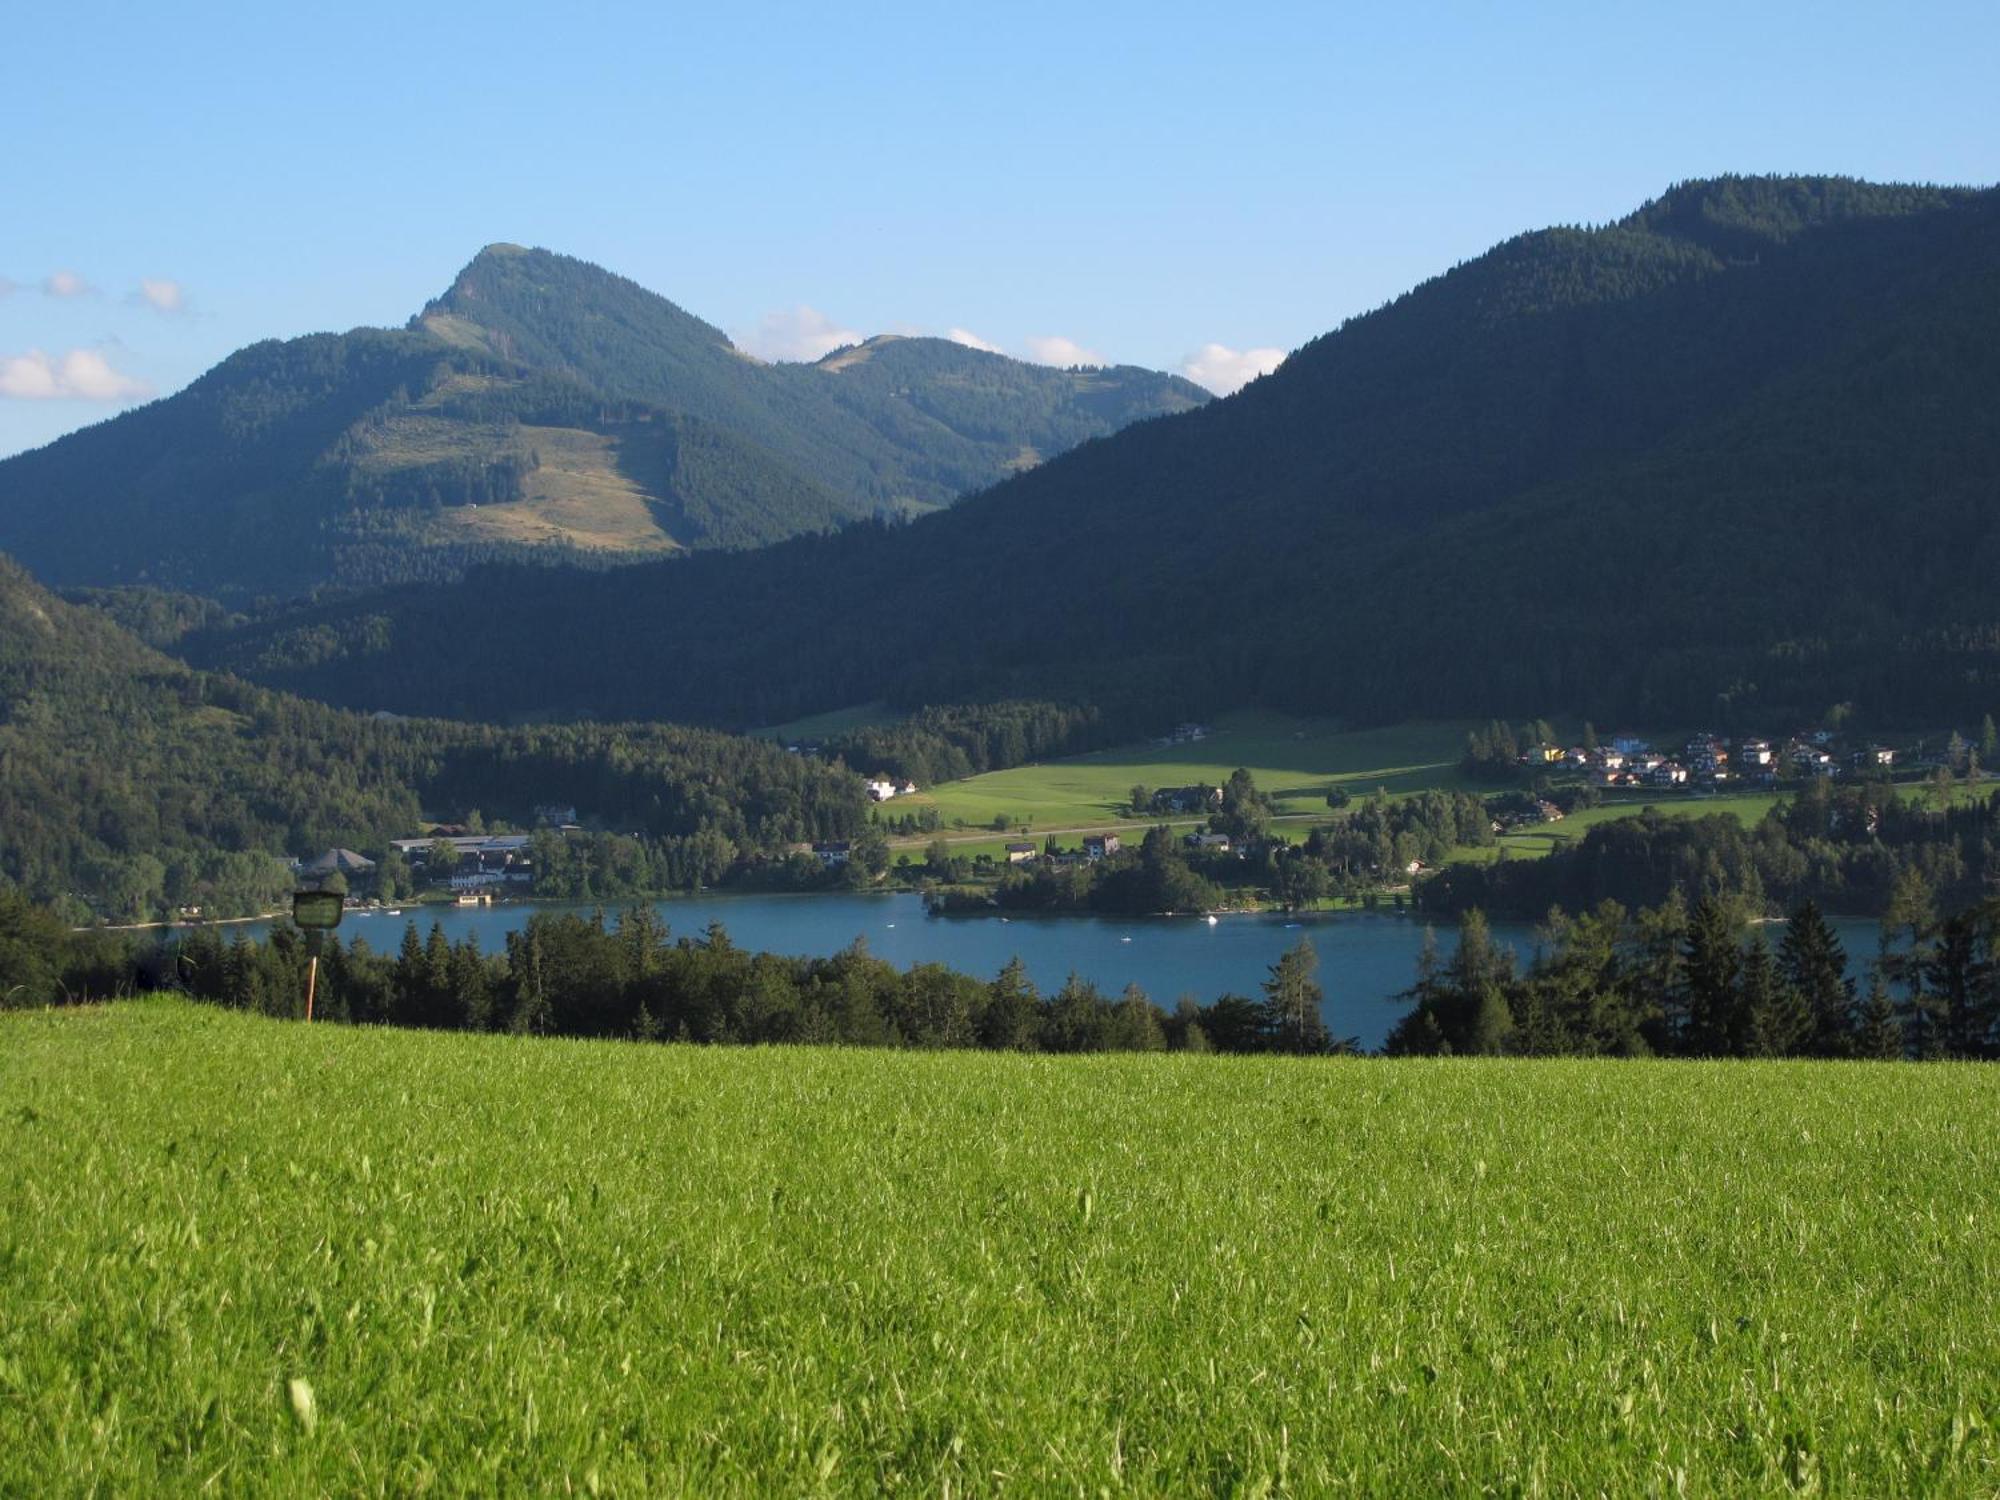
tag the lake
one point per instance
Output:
(1365, 958)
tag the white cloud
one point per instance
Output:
(797, 333)
(972, 341)
(1225, 370)
(1054, 349)
(66, 284)
(79, 375)
(162, 295)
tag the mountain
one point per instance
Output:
(1732, 455)
(131, 785)
(541, 408)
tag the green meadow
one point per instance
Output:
(1295, 761)
(249, 1257)
(1532, 841)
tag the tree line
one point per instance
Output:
(1681, 980)
(564, 974)
(1845, 847)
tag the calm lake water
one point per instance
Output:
(1365, 958)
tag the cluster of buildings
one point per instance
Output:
(884, 790)
(479, 861)
(463, 862)
(1709, 760)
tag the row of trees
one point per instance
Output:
(1682, 981)
(1847, 848)
(564, 974)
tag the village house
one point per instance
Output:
(1218, 842)
(833, 854)
(1021, 854)
(1098, 846)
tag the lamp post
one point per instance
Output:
(318, 912)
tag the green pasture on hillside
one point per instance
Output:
(1293, 760)
(249, 1257)
(1534, 840)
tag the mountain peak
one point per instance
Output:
(531, 302)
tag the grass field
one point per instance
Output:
(1535, 840)
(1294, 760)
(250, 1257)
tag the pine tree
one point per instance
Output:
(1492, 1024)
(1187, 1033)
(1709, 982)
(1908, 921)
(407, 980)
(1878, 1036)
(1293, 997)
(1776, 1021)
(1136, 1024)
(1012, 1010)
(471, 988)
(1812, 962)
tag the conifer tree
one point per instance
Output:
(1293, 997)
(1709, 981)
(1878, 1036)
(1812, 962)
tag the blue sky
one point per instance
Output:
(1139, 183)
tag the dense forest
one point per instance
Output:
(1680, 980)
(544, 411)
(1727, 459)
(131, 785)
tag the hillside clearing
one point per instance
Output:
(1295, 761)
(293, 1260)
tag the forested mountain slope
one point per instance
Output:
(542, 408)
(1734, 450)
(131, 784)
